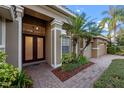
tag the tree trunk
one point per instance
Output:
(74, 47)
(114, 36)
(87, 43)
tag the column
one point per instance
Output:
(56, 28)
(19, 13)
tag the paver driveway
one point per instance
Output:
(44, 78)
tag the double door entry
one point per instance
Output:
(33, 48)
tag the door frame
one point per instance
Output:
(34, 53)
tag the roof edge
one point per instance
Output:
(62, 9)
(101, 37)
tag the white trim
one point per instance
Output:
(3, 33)
(61, 44)
(20, 11)
(2, 46)
(20, 43)
(54, 29)
(95, 48)
(55, 47)
(51, 47)
(101, 37)
(60, 8)
(33, 63)
(56, 22)
(8, 7)
(56, 66)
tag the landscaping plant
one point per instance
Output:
(8, 75)
(80, 27)
(70, 61)
(113, 49)
(22, 80)
(2, 57)
(11, 77)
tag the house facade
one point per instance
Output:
(31, 34)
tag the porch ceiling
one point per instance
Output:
(37, 15)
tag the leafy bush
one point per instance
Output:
(68, 58)
(82, 59)
(69, 67)
(22, 81)
(121, 52)
(112, 49)
(70, 62)
(10, 76)
(120, 38)
(2, 56)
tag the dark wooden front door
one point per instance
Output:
(33, 39)
(33, 48)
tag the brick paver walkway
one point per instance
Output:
(44, 78)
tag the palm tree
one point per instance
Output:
(114, 16)
(92, 31)
(80, 27)
(120, 37)
(75, 28)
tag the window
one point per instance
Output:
(0, 31)
(65, 45)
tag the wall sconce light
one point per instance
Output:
(37, 28)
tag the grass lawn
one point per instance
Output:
(113, 77)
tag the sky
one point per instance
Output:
(93, 11)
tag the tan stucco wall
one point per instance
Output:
(102, 50)
(58, 46)
(94, 48)
(12, 42)
(102, 47)
(88, 52)
(99, 48)
(48, 44)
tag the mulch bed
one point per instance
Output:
(65, 75)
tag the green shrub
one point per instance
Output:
(69, 67)
(70, 62)
(22, 80)
(2, 56)
(10, 76)
(121, 52)
(112, 49)
(82, 59)
(68, 58)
